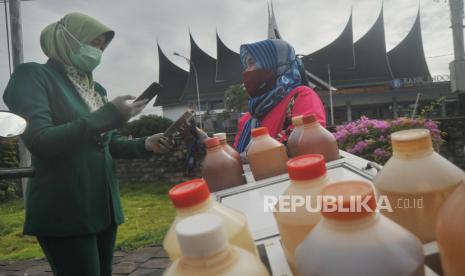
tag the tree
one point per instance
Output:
(146, 125)
(235, 98)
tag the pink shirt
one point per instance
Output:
(307, 102)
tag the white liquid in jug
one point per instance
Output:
(292, 235)
(244, 239)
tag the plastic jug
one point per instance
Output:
(294, 138)
(307, 175)
(226, 147)
(193, 197)
(206, 252)
(352, 239)
(450, 233)
(317, 139)
(267, 157)
(417, 181)
(219, 169)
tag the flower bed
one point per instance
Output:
(371, 139)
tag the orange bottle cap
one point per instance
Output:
(221, 136)
(411, 140)
(343, 200)
(212, 142)
(259, 131)
(189, 193)
(306, 167)
(297, 120)
(309, 119)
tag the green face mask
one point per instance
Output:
(87, 58)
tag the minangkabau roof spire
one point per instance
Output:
(407, 59)
(228, 62)
(172, 78)
(371, 62)
(273, 31)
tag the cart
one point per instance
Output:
(249, 199)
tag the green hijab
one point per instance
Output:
(57, 44)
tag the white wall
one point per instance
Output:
(174, 112)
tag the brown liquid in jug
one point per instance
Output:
(219, 169)
(315, 139)
(226, 147)
(293, 141)
(267, 157)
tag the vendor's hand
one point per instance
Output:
(126, 109)
(202, 135)
(158, 143)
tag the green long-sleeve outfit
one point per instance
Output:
(72, 152)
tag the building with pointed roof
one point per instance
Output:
(368, 79)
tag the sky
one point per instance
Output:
(130, 63)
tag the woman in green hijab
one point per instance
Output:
(72, 204)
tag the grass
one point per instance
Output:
(147, 208)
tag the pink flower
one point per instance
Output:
(380, 152)
(360, 146)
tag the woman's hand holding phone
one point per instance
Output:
(128, 110)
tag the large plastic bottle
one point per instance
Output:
(294, 138)
(308, 175)
(354, 241)
(220, 170)
(206, 251)
(317, 139)
(417, 181)
(450, 233)
(226, 147)
(267, 157)
(193, 197)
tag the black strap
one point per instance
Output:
(290, 107)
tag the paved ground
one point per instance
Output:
(147, 261)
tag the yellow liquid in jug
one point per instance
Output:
(417, 212)
(268, 163)
(291, 237)
(450, 234)
(244, 240)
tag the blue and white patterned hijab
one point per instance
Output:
(278, 55)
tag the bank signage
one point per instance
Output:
(414, 81)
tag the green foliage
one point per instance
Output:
(431, 108)
(146, 125)
(148, 212)
(8, 156)
(147, 209)
(235, 98)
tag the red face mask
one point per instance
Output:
(258, 82)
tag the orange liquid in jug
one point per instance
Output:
(292, 235)
(450, 234)
(417, 212)
(268, 163)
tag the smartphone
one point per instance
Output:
(183, 120)
(150, 92)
